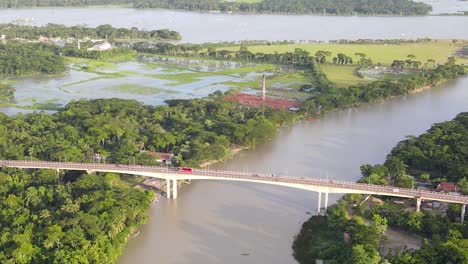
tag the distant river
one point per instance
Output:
(208, 27)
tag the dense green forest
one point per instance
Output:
(334, 7)
(103, 31)
(195, 130)
(322, 237)
(439, 154)
(30, 58)
(48, 217)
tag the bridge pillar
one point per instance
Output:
(319, 202)
(168, 188)
(326, 203)
(174, 189)
(462, 217)
(418, 204)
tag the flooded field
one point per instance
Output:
(148, 79)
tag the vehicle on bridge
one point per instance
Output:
(185, 169)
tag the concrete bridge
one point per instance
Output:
(311, 184)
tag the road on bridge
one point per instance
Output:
(174, 173)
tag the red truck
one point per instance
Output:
(185, 169)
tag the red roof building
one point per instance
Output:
(447, 187)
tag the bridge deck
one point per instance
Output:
(173, 173)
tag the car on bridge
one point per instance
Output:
(185, 169)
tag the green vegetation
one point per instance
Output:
(245, 1)
(189, 77)
(440, 154)
(437, 50)
(90, 65)
(332, 98)
(195, 130)
(30, 58)
(115, 54)
(138, 89)
(334, 60)
(12, 31)
(6, 94)
(21, 59)
(342, 238)
(313, 239)
(342, 76)
(335, 7)
(47, 217)
(322, 237)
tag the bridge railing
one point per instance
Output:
(236, 174)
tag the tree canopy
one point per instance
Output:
(194, 130)
(336, 7)
(30, 58)
(107, 31)
(46, 219)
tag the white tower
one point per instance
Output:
(263, 88)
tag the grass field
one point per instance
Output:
(139, 89)
(244, 1)
(438, 50)
(342, 76)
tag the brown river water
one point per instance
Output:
(225, 222)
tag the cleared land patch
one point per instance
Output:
(438, 50)
(343, 75)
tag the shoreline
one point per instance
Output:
(232, 152)
(129, 6)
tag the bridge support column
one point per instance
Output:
(168, 188)
(319, 202)
(418, 204)
(174, 189)
(326, 203)
(462, 217)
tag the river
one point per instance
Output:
(196, 27)
(221, 222)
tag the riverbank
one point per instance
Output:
(317, 234)
(262, 220)
(365, 222)
(232, 151)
